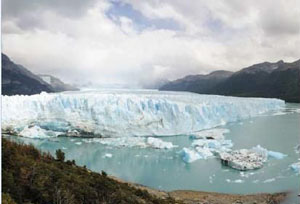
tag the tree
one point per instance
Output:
(60, 155)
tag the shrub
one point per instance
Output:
(60, 155)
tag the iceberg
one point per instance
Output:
(243, 159)
(216, 134)
(269, 180)
(296, 167)
(214, 145)
(140, 142)
(267, 153)
(189, 155)
(159, 144)
(248, 159)
(121, 113)
(107, 155)
(276, 155)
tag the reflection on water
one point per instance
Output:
(164, 169)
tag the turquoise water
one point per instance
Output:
(164, 169)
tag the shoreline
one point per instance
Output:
(199, 197)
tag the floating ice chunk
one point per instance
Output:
(217, 134)
(107, 155)
(159, 144)
(204, 152)
(276, 155)
(238, 181)
(266, 153)
(122, 141)
(296, 167)
(243, 159)
(261, 151)
(37, 132)
(269, 180)
(215, 146)
(140, 142)
(189, 155)
(78, 143)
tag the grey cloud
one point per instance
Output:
(26, 13)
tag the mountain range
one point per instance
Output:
(271, 80)
(16, 79)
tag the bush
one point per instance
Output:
(6, 199)
(60, 155)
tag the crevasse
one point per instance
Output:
(116, 113)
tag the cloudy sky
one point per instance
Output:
(137, 41)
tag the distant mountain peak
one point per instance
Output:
(267, 79)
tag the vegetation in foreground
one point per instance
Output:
(30, 176)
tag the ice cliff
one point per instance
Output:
(126, 113)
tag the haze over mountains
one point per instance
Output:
(271, 80)
(17, 79)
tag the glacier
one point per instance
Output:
(119, 113)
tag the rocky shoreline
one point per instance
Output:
(200, 197)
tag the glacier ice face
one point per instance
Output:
(115, 113)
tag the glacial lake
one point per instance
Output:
(165, 169)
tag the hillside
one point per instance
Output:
(29, 176)
(57, 84)
(16, 79)
(270, 80)
(203, 84)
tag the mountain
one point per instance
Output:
(270, 80)
(155, 84)
(16, 79)
(57, 84)
(203, 84)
